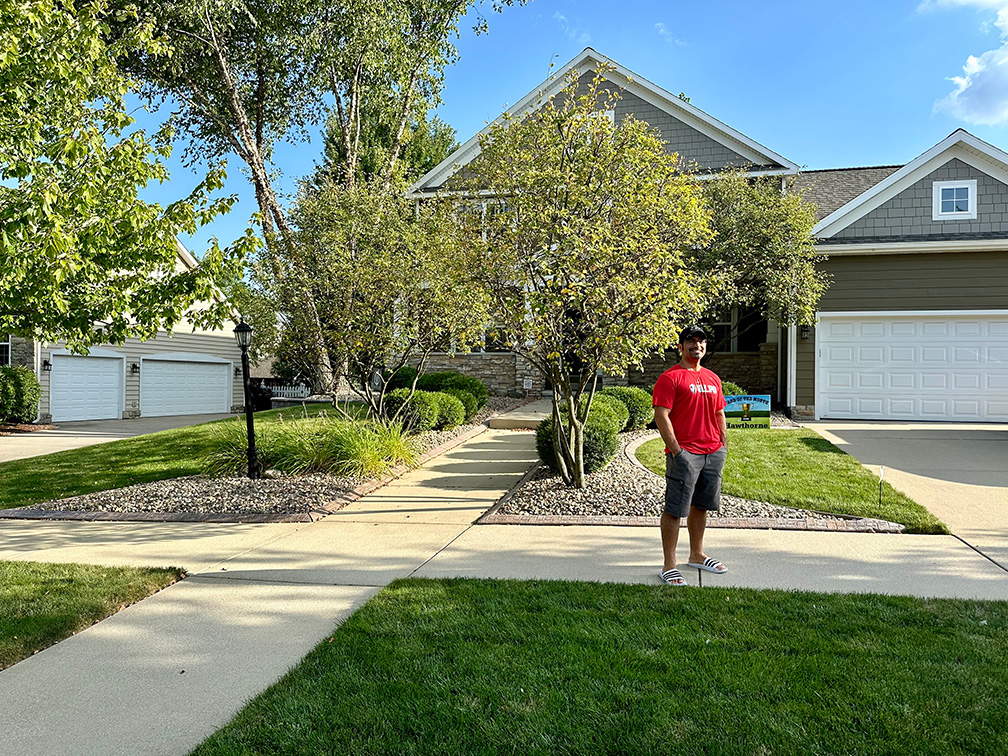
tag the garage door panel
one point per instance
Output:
(873, 355)
(170, 387)
(918, 377)
(85, 388)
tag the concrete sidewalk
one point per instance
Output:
(159, 676)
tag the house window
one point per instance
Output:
(5, 351)
(739, 329)
(954, 200)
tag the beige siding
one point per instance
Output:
(949, 281)
(220, 344)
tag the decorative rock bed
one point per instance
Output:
(236, 497)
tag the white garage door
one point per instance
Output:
(169, 387)
(913, 367)
(85, 388)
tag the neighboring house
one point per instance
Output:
(914, 325)
(188, 372)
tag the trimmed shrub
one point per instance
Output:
(451, 379)
(600, 439)
(451, 411)
(402, 378)
(619, 410)
(638, 404)
(422, 412)
(731, 389)
(19, 395)
(469, 401)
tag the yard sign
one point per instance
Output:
(748, 411)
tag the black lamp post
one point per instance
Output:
(243, 335)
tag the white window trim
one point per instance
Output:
(936, 190)
(9, 356)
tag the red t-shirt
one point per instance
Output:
(694, 398)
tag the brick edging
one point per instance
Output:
(252, 517)
(861, 525)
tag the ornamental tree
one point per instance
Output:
(583, 246)
(762, 251)
(393, 283)
(82, 257)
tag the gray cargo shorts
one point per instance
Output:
(693, 480)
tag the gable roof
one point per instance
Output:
(834, 188)
(959, 144)
(768, 162)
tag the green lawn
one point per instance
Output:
(157, 456)
(799, 468)
(41, 603)
(488, 667)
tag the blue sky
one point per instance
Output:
(827, 84)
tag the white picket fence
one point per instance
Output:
(290, 392)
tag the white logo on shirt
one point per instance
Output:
(702, 388)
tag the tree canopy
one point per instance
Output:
(82, 257)
(582, 245)
(597, 244)
(394, 282)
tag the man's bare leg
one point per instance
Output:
(696, 524)
(670, 538)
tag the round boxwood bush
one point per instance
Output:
(600, 439)
(19, 395)
(450, 379)
(469, 402)
(618, 409)
(451, 411)
(731, 389)
(422, 412)
(638, 404)
(402, 378)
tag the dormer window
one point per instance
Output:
(954, 200)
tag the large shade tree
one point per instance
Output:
(82, 257)
(597, 244)
(248, 73)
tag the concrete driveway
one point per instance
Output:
(958, 471)
(89, 432)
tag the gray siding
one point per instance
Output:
(908, 214)
(691, 145)
(220, 346)
(943, 281)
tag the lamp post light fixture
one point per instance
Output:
(243, 336)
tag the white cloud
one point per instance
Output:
(571, 30)
(981, 93)
(666, 34)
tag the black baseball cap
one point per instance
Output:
(691, 331)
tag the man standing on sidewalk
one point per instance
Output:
(689, 412)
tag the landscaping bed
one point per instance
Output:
(237, 496)
(623, 489)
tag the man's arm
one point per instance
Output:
(663, 419)
(723, 423)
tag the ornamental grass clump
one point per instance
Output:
(319, 444)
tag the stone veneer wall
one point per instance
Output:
(503, 373)
(22, 352)
(755, 372)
